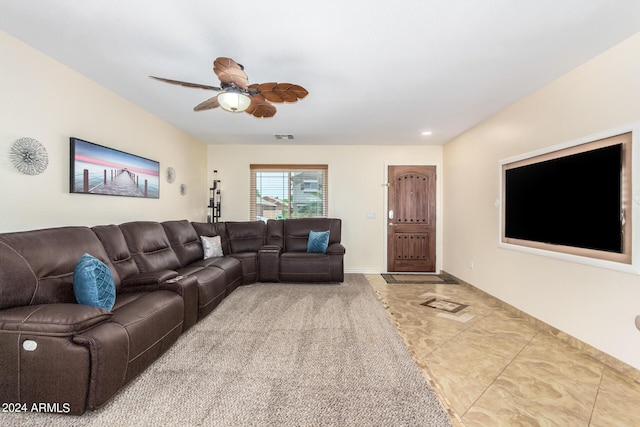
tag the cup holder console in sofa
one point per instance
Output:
(56, 351)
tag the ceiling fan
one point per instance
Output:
(236, 94)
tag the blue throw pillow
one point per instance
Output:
(318, 242)
(93, 283)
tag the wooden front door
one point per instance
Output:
(411, 219)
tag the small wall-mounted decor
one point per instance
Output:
(95, 169)
(171, 175)
(29, 156)
(183, 189)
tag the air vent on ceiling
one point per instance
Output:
(283, 136)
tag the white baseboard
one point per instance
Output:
(363, 271)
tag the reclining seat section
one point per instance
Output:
(245, 240)
(116, 247)
(298, 265)
(187, 245)
(151, 251)
(55, 350)
(229, 260)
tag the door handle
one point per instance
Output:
(391, 224)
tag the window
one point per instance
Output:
(288, 191)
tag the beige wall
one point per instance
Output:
(595, 305)
(45, 100)
(356, 178)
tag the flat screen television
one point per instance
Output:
(95, 169)
(575, 200)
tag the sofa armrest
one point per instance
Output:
(187, 288)
(109, 347)
(149, 278)
(269, 263)
(336, 249)
(52, 319)
(270, 248)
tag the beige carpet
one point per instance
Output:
(277, 355)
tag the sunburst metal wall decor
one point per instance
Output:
(29, 156)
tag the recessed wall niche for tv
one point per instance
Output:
(95, 169)
(575, 200)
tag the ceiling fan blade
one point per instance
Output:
(260, 107)
(208, 104)
(187, 84)
(229, 71)
(281, 92)
(224, 62)
(298, 90)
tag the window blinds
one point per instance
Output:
(288, 191)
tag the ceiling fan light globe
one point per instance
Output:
(233, 101)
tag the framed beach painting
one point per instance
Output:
(95, 169)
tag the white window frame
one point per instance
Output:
(287, 190)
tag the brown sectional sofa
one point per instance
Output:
(54, 350)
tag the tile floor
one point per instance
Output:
(496, 369)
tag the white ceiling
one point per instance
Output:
(377, 71)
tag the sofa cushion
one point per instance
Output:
(212, 246)
(93, 283)
(246, 236)
(305, 267)
(296, 231)
(116, 246)
(36, 267)
(249, 263)
(52, 319)
(318, 242)
(212, 286)
(184, 241)
(149, 246)
(213, 229)
(153, 321)
(234, 270)
(275, 232)
(149, 278)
